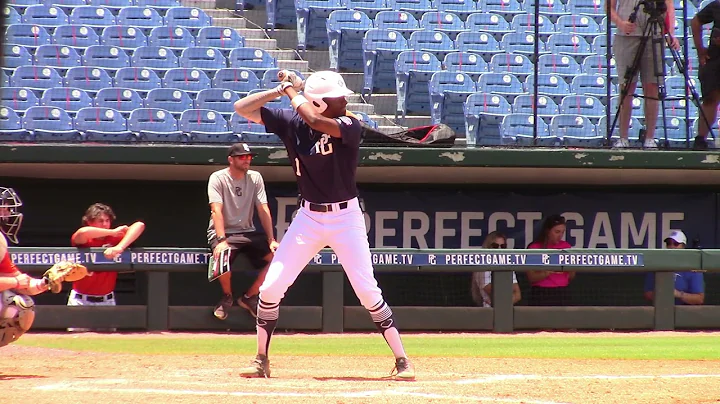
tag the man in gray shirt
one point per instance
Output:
(233, 193)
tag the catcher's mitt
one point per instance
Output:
(63, 271)
(292, 78)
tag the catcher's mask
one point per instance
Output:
(10, 216)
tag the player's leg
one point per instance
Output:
(259, 254)
(624, 49)
(710, 88)
(649, 66)
(349, 241)
(74, 300)
(17, 313)
(300, 243)
(222, 308)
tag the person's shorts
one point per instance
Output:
(709, 77)
(625, 49)
(253, 245)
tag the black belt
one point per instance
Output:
(95, 299)
(317, 207)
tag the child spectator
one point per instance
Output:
(689, 285)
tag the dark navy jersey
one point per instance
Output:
(324, 166)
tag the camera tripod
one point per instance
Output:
(655, 32)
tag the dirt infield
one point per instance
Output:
(39, 375)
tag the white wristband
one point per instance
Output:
(297, 101)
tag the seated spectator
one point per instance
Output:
(481, 287)
(97, 289)
(550, 288)
(689, 285)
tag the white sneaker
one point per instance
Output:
(650, 144)
(621, 144)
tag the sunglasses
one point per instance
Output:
(496, 245)
(244, 157)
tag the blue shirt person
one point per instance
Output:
(689, 286)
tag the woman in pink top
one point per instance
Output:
(550, 288)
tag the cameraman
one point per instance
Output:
(626, 45)
(709, 73)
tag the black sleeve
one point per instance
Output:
(707, 13)
(276, 121)
(350, 130)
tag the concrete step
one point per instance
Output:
(299, 65)
(253, 33)
(385, 104)
(283, 54)
(257, 17)
(204, 4)
(287, 38)
(232, 22)
(353, 81)
(219, 13)
(360, 107)
(318, 60)
(267, 44)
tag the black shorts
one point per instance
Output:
(709, 76)
(254, 245)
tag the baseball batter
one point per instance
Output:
(323, 144)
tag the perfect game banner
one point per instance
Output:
(447, 219)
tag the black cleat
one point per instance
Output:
(249, 303)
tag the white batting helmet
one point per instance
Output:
(325, 84)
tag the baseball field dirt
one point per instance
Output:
(30, 373)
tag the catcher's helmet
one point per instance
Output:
(325, 84)
(10, 216)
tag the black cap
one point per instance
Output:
(240, 149)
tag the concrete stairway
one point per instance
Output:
(282, 43)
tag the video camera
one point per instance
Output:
(654, 8)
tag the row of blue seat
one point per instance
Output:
(125, 37)
(99, 16)
(68, 5)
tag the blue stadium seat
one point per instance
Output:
(633, 130)
(223, 38)
(380, 50)
(519, 129)
(400, 21)
(110, 58)
(4, 79)
(597, 64)
(140, 79)
(448, 93)
(461, 8)
(506, 8)
(18, 98)
(44, 15)
(175, 38)
(468, 63)
(365, 118)
(121, 99)
(346, 30)
(594, 9)
(90, 79)
(217, 99)
(569, 44)
(435, 42)
(190, 80)
(545, 106)
(585, 105)
(238, 123)
(677, 108)
(93, 16)
(11, 16)
(505, 84)
(525, 23)
(160, 5)
(551, 85)
(112, 5)
(79, 37)
(483, 44)
(60, 57)
(521, 42)
(207, 59)
(564, 65)
(29, 35)
(68, 98)
(15, 56)
(50, 124)
(548, 8)
(576, 131)
(519, 65)
(370, 7)
(103, 125)
(270, 80)
(415, 7)
(582, 25)
(255, 133)
(676, 130)
(638, 106)
(483, 114)
(155, 125)
(206, 126)
(599, 45)
(311, 25)
(488, 22)
(145, 18)
(591, 84)
(11, 129)
(21, 5)
(413, 70)
(675, 85)
(280, 102)
(237, 79)
(172, 100)
(441, 21)
(36, 78)
(158, 58)
(66, 5)
(126, 38)
(192, 18)
(255, 59)
(280, 13)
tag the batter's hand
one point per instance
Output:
(292, 78)
(218, 248)
(274, 245)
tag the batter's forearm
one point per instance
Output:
(249, 107)
(134, 231)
